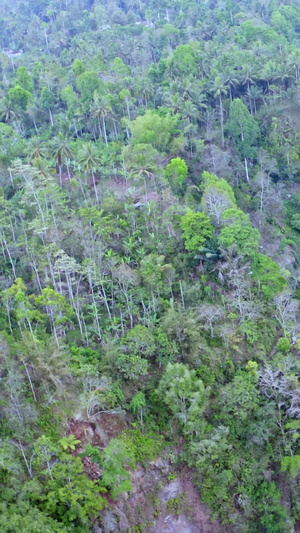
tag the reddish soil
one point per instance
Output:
(98, 434)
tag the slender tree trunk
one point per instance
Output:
(68, 171)
(30, 381)
(95, 187)
(222, 119)
(99, 126)
(28, 464)
(51, 117)
(246, 169)
(104, 129)
(9, 255)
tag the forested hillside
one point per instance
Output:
(150, 266)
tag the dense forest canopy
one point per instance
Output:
(150, 264)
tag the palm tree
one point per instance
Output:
(190, 111)
(294, 63)
(229, 77)
(101, 108)
(187, 88)
(143, 163)
(268, 72)
(36, 148)
(283, 73)
(41, 165)
(248, 74)
(219, 90)
(254, 94)
(145, 88)
(7, 113)
(90, 161)
(61, 151)
(33, 111)
(174, 101)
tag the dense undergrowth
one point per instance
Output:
(150, 218)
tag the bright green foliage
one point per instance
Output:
(19, 97)
(26, 519)
(11, 144)
(140, 341)
(269, 496)
(143, 446)
(238, 231)
(197, 229)
(151, 128)
(78, 67)
(24, 79)
(291, 465)
(176, 173)
(87, 83)
(48, 98)
(119, 67)
(69, 441)
(117, 457)
(17, 301)
(138, 403)
(211, 180)
(142, 160)
(155, 272)
(69, 96)
(132, 366)
(185, 395)
(240, 398)
(71, 496)
(269, 276)
(217, 196)
(184, 61)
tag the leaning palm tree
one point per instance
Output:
(62, 152)
(89, 161)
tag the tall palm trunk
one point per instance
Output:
(95, 187)
(222, 120)
(104, 129)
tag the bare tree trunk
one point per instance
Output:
(104, 129)
(222, 120)
(246, 169)
(51, 117)
(30, 381)
(95, 187)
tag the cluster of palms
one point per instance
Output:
(88, 159)
(191, 96)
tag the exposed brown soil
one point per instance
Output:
(196, 517)
(98, 434)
